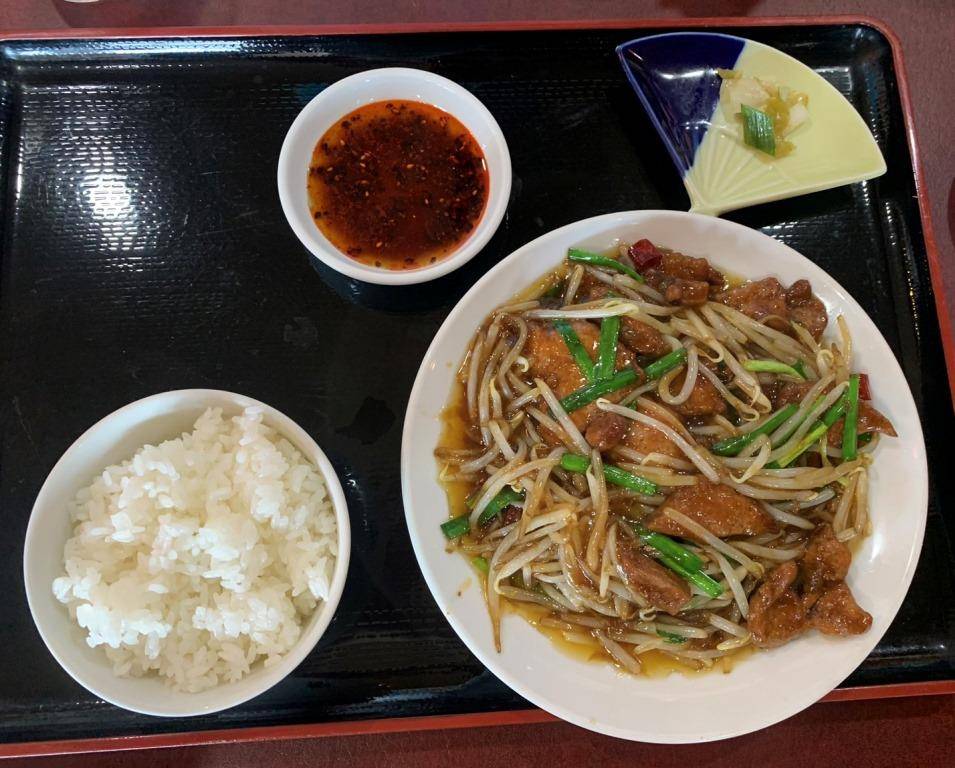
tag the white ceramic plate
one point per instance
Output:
(762, 689)
(115, 438)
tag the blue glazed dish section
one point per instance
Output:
(675, 78)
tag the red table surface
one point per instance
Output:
(896, 732)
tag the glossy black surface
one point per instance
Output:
(143, 249)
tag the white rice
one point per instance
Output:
(200, 556)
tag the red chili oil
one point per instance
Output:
(397, 184)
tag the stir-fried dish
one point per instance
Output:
(653, 462)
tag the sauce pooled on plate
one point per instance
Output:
(397, 184)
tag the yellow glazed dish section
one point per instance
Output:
(834, 148)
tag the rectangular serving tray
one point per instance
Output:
(142, 248)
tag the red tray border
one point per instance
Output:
(382, 726)
(524, 716)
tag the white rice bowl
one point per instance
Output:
(201, 556)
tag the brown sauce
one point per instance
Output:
(454, 434)
(397, 184)
(652, 663)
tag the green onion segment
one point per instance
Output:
(574, 462)
(576, 348)
(731, 446)
(595, 259)
(774, 366)
(758, 130)
(607, 347)
(850, 440)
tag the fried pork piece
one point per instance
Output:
(646, 440)
(637, 336)
(645, 576)
(788, 392)
(767, 300)
(686, 293)
(606, 430)
(717, 507)
(836, 612)
(678, 265)
(825, 561)
(641, 338)
(684, 280)
(805, 309)
(777, 613)
(759, 299)
(704, 400)
(810, 594)
(550, 360)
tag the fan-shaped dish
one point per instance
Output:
(676, 78)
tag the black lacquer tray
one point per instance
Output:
(143, 249)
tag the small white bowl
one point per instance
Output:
(340, 98)
(111, 440)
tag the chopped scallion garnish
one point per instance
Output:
(850, 440)
(697, 578)
(587, 394)
(495, 506)
(600, 387)
(758, 131)
(576, 348)
(607, 348)
(595, 259)
(456, 526)
(574, 462)
(667, 546)
(815, 434)
(773, 366)
(665, 364)
(731, 446)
